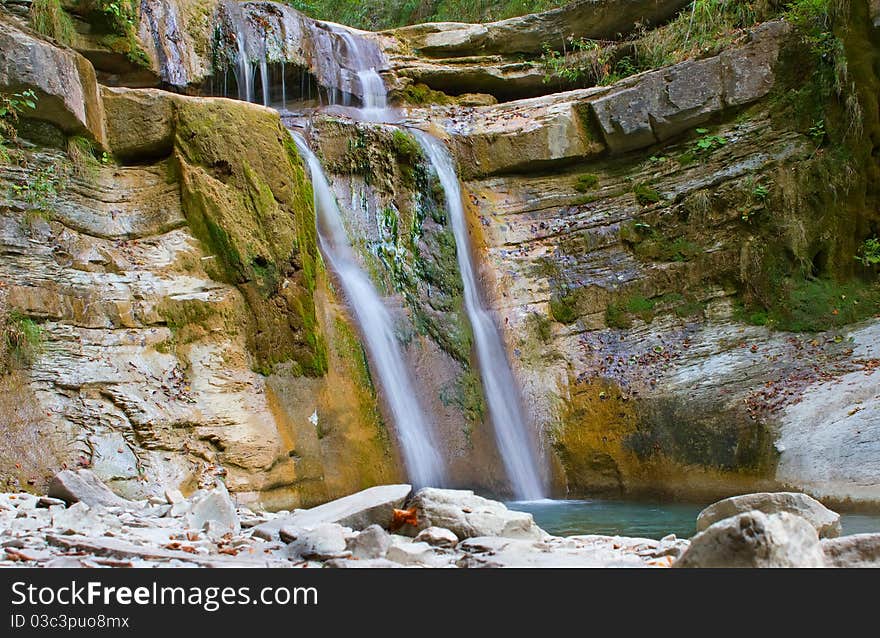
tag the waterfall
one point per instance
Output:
(347, 64)
(243, 70)
(420, 451)
(514, 441)
(264, 80)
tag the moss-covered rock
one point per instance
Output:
(246, 196)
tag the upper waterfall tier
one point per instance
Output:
(345, 63)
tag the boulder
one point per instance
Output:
(322, 542)
(373, 542)
(467, 515)
(826, 522)
(594, 19)
(372, 506)
(216, 506)
(855, 550)
(525, 135)
(437, 536)
(656, 106)
(748, 71)
(64, 82)
(140, 122)
(755, 539)
(84, 486)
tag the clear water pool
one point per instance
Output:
(638, 518)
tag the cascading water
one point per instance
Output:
(243, 70)
(347, 64)
(514, 442)
(423, 462)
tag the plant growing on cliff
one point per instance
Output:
(82, 154)
(12, 105)
(586, 182)
(869, 253)
(118, 19)
(39, 190)
(22, 340)
(645, 195)
(563, 306)
(49, 18)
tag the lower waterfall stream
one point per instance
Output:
(511, 431)
(424, 465)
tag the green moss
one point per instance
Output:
(419, 258)
(466, 393)
(563, 306)
(540, 327)
(406, 147)
(247, 199)
(815, 305)
(586, 182)
(422, 95)
(408, 153)
(645, 195)
(650, 244)
(641, 307)
(616, 317)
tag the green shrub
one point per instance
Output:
(869, 253)
(12, 105)
(22, 341)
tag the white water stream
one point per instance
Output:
(514, 440)
(423, 462)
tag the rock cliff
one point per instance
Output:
(670, 221)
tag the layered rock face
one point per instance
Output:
(187, 330)
(640, 240)
(620, 264)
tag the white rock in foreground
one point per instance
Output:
(372, 506)
(216, 506)
(83, 486)
(826, 522)
(467, 515)
(856, 550)
(756, 539)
